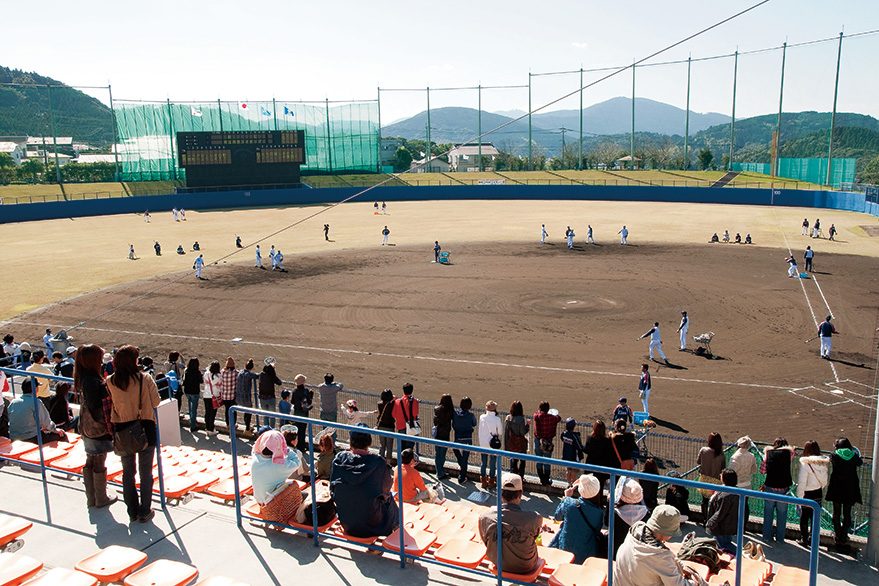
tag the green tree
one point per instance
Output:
(30, 170)
(402, 159)
(7, 168)
(870, 173)
(705, 157)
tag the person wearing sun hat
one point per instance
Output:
(582, 519)
(629, 509)
(644, 560)
(519, 529)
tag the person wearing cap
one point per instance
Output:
(644, 559)
(644, 387)
(629, 509)
(546, 423)
(303, 402)
(744, 463)
(39, 367)
(360, 483)
(572, 448)
(519, 529)
(490, 431)
(685, 323)
(723, 514)
(24, 358)
(623, 411)
(582, 518)
(825, 335)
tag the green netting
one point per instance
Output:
(338, 138)
(815, 170)
(752, 168)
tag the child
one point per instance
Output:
(325, 457)
(355, 416)
(678, 497)
(572, 448)
(723, 514)
(414, 489)
(284, 405)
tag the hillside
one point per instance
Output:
(24, 110)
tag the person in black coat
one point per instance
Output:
(598, 450)
(268, 380)
(386, 422)
(192, 378)
(303, 402)
(442, 430)
(844, 488)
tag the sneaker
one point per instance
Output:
(148, 517)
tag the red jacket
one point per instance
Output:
(411, 406)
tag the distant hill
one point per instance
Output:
(24, 110)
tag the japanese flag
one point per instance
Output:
(243, 105)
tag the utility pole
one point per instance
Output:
(427, 157)
(530, 160)
(687, 121)
(580, 143)
(778, 120)
(833, 113)
(732, 125)
(479, 123)
(632, 136)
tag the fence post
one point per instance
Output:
(816, 541)
(162, 500)
(234, 440)
(611, 517)
(739, 538)
(499, 470)
(402, 528)
(833, 113)
(40, 448)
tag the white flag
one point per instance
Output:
(195, 111)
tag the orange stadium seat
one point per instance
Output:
(202, 480)
(221, 581)
(790, 576)
(11, 528)
(16, 449)
(225, 489)
(528, 578)
(415, 542)
(452, 530)
(112, 563)
(16, 568)
(593, 572)
(63, 577)
(309, 529)
(430, 511)
(163, 573)
(461, 552)
(554, 558)
(73, 462)
(176, 487)
(49, 455)
(338, 531)
(701, 569)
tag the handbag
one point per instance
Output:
(412, 425)
(131, 438)
(495, 442)
(624, 464)
(707, 492)
(601, 541)
(216, 401)
(546, 446)
(515, 442)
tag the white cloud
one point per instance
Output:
(579, 45)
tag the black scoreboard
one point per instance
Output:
(241, 158)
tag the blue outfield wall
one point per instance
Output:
(214, 200)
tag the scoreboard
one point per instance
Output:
(241, 158)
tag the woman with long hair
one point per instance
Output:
(135, 396)
(385, 410)
(442, 430)
(515, 436)
(463, 422)
(777, 460)
(811, 481)
(210, 394)
(711, 462)
(192, 389)
(94, 423)
(598, 450)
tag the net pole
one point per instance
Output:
(378, 144)
(580, 145)
(732, 124)
(427, 159)
(530, 153)
(117, 176)
(687, 119)
(220, 113)
(632, 136)
(778, 120)
(833, 112)
(329, 145)
(275, 113)
(55, 138)
(479, 122)
(171, 139)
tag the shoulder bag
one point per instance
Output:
(600, 538)
(131, 438)
(628, 464)
(412, 425)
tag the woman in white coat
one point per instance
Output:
(811, 482)
(210, 393)
(491, 430)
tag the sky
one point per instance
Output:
(346, 49)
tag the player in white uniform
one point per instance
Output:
(278, 262)
(174, 214)
(792, 269)
(644, 388)
(258, 258)
(131, 255)
(543, 233)
(825, 334)
(570, 235)
(624, 235)
(146, 216)
(682, 330)
(182, 215)
(272, 255)
(198, 266)
(589, 235)
(385, 234)
(655, 342)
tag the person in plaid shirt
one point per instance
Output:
(545, 429)
(228, 380)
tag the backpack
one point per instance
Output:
(702, 550)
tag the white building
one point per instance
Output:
(89, 159)
(435, 165)
(14, 150)
(465, 157)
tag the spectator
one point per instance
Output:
(545, 429)
(645, 560)
(678, 496)
(39, 366)
(64, 364)
(22, 423)
(811, 482)
(844, 489)
(59, 408)
(12, 351)
(650, 487)
(353, 415)
(723, 514)
(629, 509)
(285, 407)
(192, 378)
(228, 382)
(94, 424)
(327, 452)
(47, 340)
(711, 461)
(516, 437)
(146, 364)
(519, 529)
(572, 448)
(328, 391)
(582, 519)
(442, 430)
(175, 364)
(623, 411)
(413, 488)
(777, 460)
(303, 402)
(4, 407)
(624, 446)
(291, 436)
(245, 390)
(210, 394)
(24, 357)
(107, 366)
(272, 464)
(744, 462)
(386, 422)
(599, 450)
(268, 380)
(406, 414)
(490, 432)
(135, 396)
(463, 422)
(360, 484)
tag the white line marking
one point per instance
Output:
(829, 311)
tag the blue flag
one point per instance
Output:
(288, 112)
(264, 112)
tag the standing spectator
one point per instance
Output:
(135, 396)
(711, 461)
(623, 445)
(328, 391)
(629, 509)
(582, 518)
(777, 460)
(39, 366)
(245, 390)
(516, 437)
(210, 394)
(268, 380)
(303, 402)
(406, 414)
(490, 432)
(228, 382)
(644, 558)
(285, 407)
(94, 424)
(192, 378)
(723, 514)
(175, 364)
(745, 465)
(353, 415)
(650, 487)
(519, 529)
(599, 450)
(442, 430)
(107, 366)
(47, 341)
(545, 429)
(572, 448)
(386, 422)
(623, 411)
(844, 489)
(811, 482)
(463, 422)
(22, 423)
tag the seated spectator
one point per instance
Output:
(644, 560)
(64, 365)
(413, 487)
(738, 238)
(361, 488)
(726, 236)
(39, 366)
(650, 487)
(22, 423)
(291, 436)
(678, 497)
(572, 448)
(59, 408)
(723, 514)
(629, 509)
(325, 457)
(748, 239)
(519, 529)
(272, 464)
(582, 519)
(714, 239)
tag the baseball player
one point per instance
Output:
(198, 266)
(570, 236)
(589, 235)
(655, 342)
(385, 234)
(805, 231)
(131, 255)
(158, 248)
(327, 232)
(644, 386)
(375, 207)
(825, 334)
(238, 242)
(808, 256)
(384, 208)
(259, 258)
(278, 262)
(792, 269)
(175, 214)
(682, 330)
(816, 229)
(182, 215)
(832, 231)
(436, 250)
(624, 235)
(146, 216)
(272, 255)
(543, 234)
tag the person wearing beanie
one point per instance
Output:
(572, 448)
(519, 529)
(629, 508)
(582, 518)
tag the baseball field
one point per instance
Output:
(508, 319)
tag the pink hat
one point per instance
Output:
(274, 441)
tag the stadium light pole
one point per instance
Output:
(833, 113)
(530, 160)
(378, 147)
(632, 136)
(687, 120)
(479, 121)
(778, 120)
(427, 155)
(117, 176)
(732, 124)
(173, 166)
(55, 138)
(220, 113)
(329, 136)
(580, 144)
